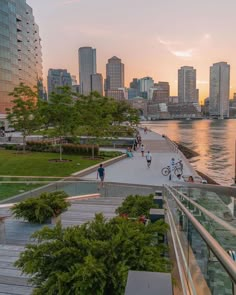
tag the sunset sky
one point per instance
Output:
(153, 37)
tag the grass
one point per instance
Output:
(9, 190)
(36, 164)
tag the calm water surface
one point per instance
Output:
(214, 140)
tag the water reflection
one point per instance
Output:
(214, 140)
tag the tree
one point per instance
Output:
(24, 115)
(60, 113)
(93, 258)
(98, 114)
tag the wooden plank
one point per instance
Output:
(15, 290)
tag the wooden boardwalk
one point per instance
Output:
(18, 233)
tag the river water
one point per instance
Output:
(214, 140)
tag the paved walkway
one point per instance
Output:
(135, 171)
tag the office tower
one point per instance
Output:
(161, 92)
(58, 78)
(219, 90)
(145, 85)
(114, 74)
(87, 67)
(97, 83)
(20, 49)
(187, 91)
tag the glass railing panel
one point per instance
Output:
(203, 271)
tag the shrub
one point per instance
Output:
(93, 258)
(68, 148)
(109, 154)
(137, 205)
(42, 208)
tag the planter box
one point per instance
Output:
(156, 214)
(158, 200)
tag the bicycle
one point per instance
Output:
(178, 169)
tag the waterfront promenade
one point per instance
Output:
(135, 171)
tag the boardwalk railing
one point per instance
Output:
(204, 265)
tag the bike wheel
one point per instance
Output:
(165, 171)
(178, 171)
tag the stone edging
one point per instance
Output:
(95, 167)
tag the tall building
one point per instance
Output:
(187, 91)
(87, 67)
(20, 49)
(114, 74)
(58, 78)
(219, 90)
(145, 85)
(161, 92)
(97, 83)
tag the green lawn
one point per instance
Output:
(36, 164)
(9, 190)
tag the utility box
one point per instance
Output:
(156, 214)
(148, 283)
(158, 200)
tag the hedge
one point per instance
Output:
(47, 146)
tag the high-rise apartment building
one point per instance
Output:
(20, 49)
(58, 78)
(97, 83)
(87, 67)
(219, 90)
(114, 74)
(187, 91)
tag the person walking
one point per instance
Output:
(101, 174)
(149, 159)
(142, 150)
(172, 168)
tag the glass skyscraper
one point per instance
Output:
(58, 78)
(20, 49)
(87, 68)
(219, 90)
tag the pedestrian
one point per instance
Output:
(142, 150)
(149, 159)
(172, 168)
(145, 130)
(190, 179)
(101, 174)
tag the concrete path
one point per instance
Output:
(135, 171)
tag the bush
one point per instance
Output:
(42, 208)
(110, 154)
(93, 258)
(135, 206)
(68, 148)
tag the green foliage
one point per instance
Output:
(24, 115)
(40, 209)
(74, 149)
(137, 205)
(110, 154)
(93, 258)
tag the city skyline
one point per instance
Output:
(156, 46)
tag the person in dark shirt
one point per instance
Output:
(101, 174)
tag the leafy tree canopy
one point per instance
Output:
(93, 258)
(24, 115)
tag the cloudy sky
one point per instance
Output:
(152, 37)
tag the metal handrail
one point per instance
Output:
(208, 213)
(226, 261)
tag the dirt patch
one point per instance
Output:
(59, 161)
